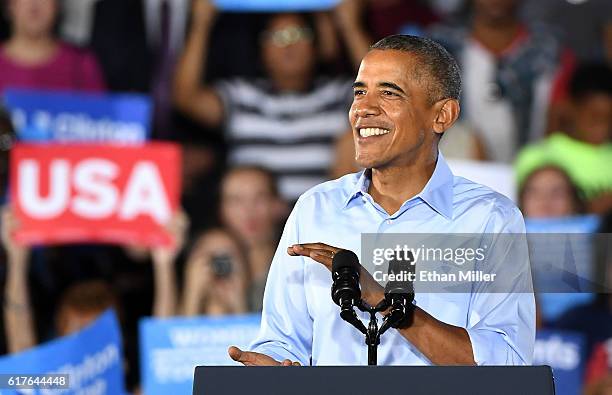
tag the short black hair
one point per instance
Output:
(442, 68)
(591, 78)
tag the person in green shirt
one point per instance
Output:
(584, 151)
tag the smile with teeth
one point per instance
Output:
(367, 132)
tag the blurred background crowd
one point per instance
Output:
(258, 103)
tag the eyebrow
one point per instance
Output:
(391, 85)
(384, 84)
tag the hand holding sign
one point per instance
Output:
(177, 228)
(203, 11)
(348, 13)
(9, 224)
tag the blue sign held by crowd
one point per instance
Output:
(171, 348)
(565, 353)
(562, 262)
(68, 117)
(92, 359)
(275, 5)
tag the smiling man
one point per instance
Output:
(406, 95)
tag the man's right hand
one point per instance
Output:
(250, 358)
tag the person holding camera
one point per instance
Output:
(216, 276)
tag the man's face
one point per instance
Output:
(391, 115)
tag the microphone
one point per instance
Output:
(399, 272)
(399, 293)
(345, 276)
(345, 290)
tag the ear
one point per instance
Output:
(447, 114)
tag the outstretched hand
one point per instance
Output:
(250, 358)
(319, 252)
(371, 291)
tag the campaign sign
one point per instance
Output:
(170, 349)
(275, 5)
(94, 193)
(561, 254)
(79, 117)
(92, 359)
(565, 353)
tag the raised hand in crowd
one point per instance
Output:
(164, 258)
(203, 12)
(345, 19)
(348, 17)
(200, 102)
(17, 309)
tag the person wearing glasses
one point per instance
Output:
(288, 121)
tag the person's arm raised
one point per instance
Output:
(17, 310)
(164, 272)
(202, 103)
(347, 16)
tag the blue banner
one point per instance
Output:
(565, 353)
(576, 224)
(171, 348)
(275, 5)
(92, 358)
(562, 262)
(79, 117)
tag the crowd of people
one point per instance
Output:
(259, 103)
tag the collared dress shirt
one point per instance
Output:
(300, 321)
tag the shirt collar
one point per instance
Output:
(437, 193)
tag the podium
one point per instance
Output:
(374, 380)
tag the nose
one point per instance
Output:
(366, 106)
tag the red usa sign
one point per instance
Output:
(94, 193)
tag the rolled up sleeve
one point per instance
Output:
(501, 323)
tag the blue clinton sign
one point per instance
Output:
(170, 349)
(79, 117)
(92, 358)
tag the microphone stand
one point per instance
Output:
(372, 332)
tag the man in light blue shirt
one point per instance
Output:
(406, 96)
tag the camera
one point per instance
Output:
(222, 265)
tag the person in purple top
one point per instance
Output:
(33, 57)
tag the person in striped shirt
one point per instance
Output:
(289, 121)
